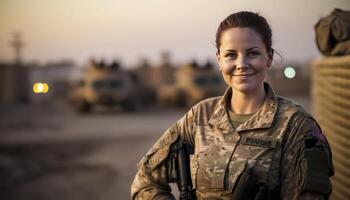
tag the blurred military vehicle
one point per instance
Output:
(192, 83)
(106, 85)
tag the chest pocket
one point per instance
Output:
(209, 167)
(262, 154)
(235, 170)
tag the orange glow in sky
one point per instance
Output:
(130, 29)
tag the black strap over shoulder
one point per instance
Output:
(179, 170)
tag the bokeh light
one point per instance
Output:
(289, 72)
(39, 88)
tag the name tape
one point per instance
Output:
(260, 142)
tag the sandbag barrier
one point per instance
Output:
(331, 106)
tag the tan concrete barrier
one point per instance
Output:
(331, 106)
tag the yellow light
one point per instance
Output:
(46, 88)
(40, 88)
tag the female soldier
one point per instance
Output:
(248, 129)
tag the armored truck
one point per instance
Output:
(106, 85)
(192, 83)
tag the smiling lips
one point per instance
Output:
(243, 75)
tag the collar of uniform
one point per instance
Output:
(263, 118)
(220, 118)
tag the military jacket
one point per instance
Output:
(275, 143)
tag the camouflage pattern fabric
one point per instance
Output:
(271, 142)
(333, 33)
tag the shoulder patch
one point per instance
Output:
(315, 168)
(316, 133)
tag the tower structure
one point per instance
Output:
(17, 44)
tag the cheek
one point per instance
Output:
(227, 78)
(226, 68)
(261, 75)
(262, 63)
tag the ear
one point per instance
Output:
(269, 62)
(270, 55)
(218, 59)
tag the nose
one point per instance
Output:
(242, 63)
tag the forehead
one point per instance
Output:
(237, 38)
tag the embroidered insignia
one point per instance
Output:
(316, 133)
(260, 142)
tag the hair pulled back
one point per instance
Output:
(246, 19)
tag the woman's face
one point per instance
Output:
(243, 59)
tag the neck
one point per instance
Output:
(247, 102)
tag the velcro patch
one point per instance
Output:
(315, 168)
(260, 142)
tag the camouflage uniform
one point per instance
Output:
(275, 143)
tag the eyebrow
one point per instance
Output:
(249, 49)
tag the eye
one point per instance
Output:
(253, 54)
(231, 55)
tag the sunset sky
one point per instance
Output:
(130, 29)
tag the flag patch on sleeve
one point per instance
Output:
(316, 133)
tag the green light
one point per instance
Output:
(289, 72)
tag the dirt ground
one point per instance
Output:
(49, 152)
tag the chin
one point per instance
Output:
(245, 88)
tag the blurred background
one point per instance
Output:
(86, 87)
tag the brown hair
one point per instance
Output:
(246, 19)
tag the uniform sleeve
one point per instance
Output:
(151, 180)
(306, 163)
